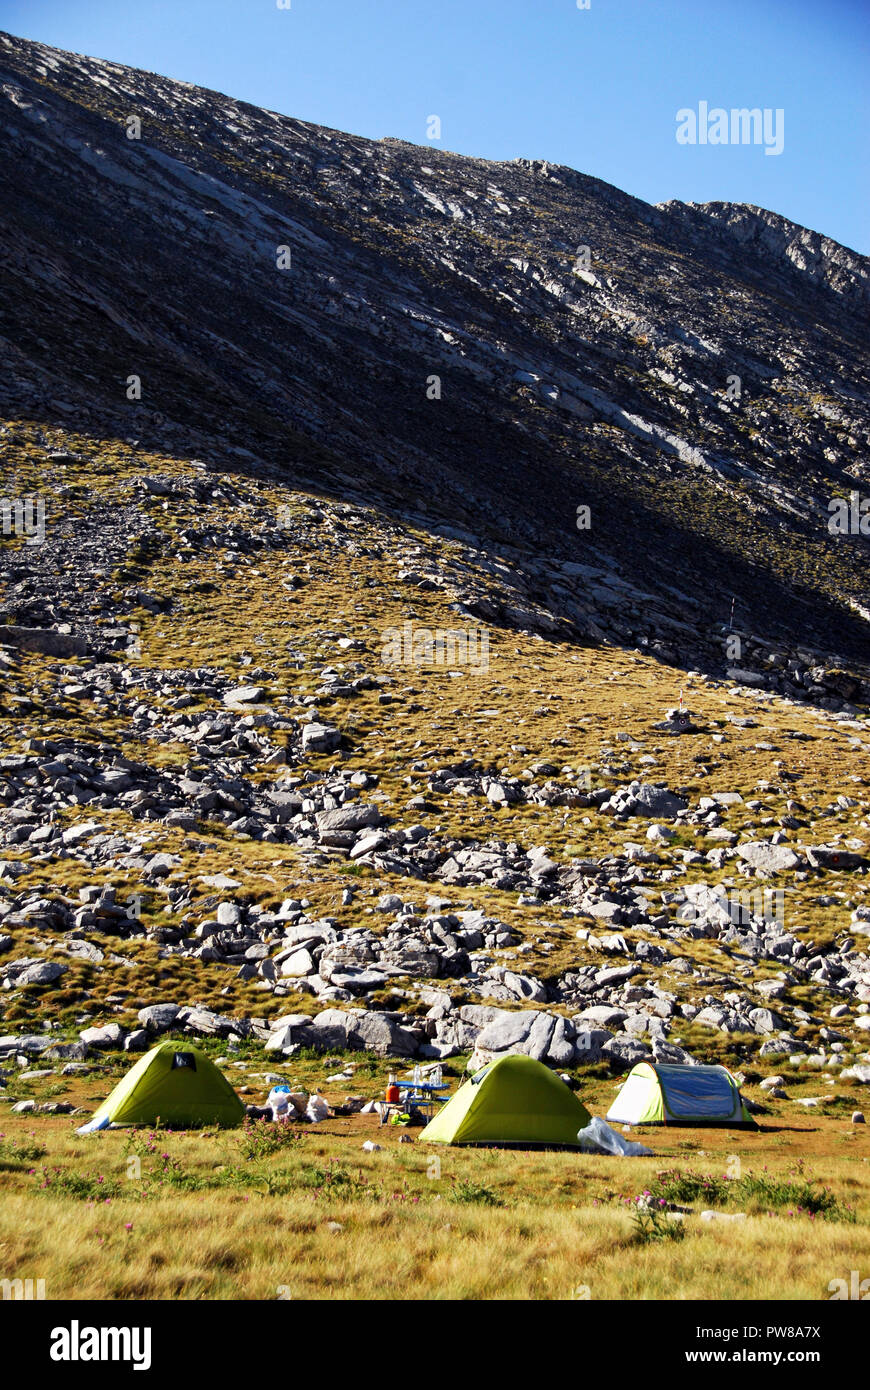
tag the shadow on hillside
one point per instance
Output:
(652, 552)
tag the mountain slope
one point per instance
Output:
(324, 728)
(566, 380)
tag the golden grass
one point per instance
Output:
(232, 1248)
(564, 1230)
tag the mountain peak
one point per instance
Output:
(517, 339)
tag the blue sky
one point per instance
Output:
(597, 89)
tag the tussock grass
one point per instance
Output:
(212, 1216)
(239, 1246)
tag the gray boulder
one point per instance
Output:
(452, 1036)
(770, 859)
(158, 1018)
(108, 1036)
(646, 799)
(357, 979)
(507, 1031)
(625, 1052)
(297, 965)
(367, 844)
(832, 857)
(358, 1029)
(616, 974)
(287, 1032)
(601, 1016)
(320, 738)
(589, 1042)
(355, 816)
(159, 865)
(544, 1036)
(45, 640)
(479, 1015)
(245, 695)
(44, 972)
(562, 1050)
(66, 1052)
(766, 1021)
(28, 1043)
(328, 1029)
(381, 1033)
(856, 1073)
(539, 1037)
(207, 1023)
(669, 1052)
(525, 986)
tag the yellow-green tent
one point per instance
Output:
(514, 1101)
(657, 1093)
(175, 1083)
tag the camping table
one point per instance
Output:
(386, 1108)
(423, 1094)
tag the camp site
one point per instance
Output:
(434, 684)
(196, 1171)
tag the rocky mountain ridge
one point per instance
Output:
(582, 345)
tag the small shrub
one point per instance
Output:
(164, 1170)
(82, 1187)
(800, 1194)
(465, 1191)
(20, 1150)
(262, 1138)
(651, 1221)
(677, 1186)
(334, 1179)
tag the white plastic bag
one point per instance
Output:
(317, 1109)
(279, 1102)
(599, 1138)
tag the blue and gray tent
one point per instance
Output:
(657, 1093)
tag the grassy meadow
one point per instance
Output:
(303, 1212)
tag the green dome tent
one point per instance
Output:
(514, 1101)
(175, 1083)
(656, 1093)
